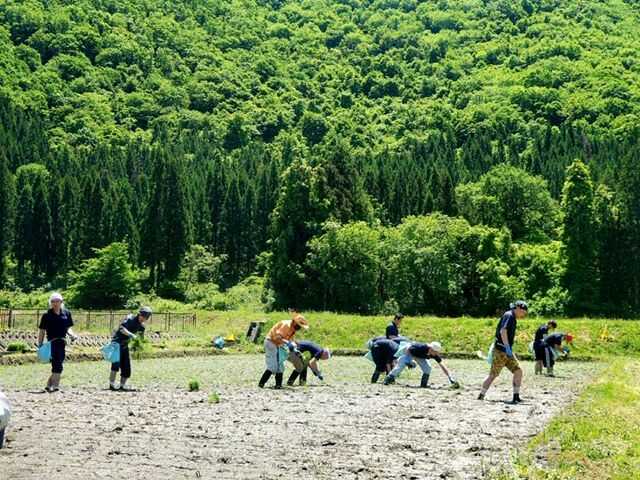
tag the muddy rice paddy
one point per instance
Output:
(344, 428)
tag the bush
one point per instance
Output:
(105, 281)
(18, 347)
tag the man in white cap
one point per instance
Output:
(421, 353)
(56, 323)
(5, 414)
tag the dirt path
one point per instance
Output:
(346, 429)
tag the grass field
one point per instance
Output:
(598, 437)
(593, 337)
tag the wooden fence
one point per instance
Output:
(92, 320)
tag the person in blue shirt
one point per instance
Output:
(132, 325)
(315, 353)
(383, 352)
(503, 355)
(538, 343)
(552, 346)
(392, 331)
(56, 323)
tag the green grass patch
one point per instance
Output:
(194, 385)
(18, 347)
(597, 437)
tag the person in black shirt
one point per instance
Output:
(538, 344)
(56, 323)
(383, 353)
(503, 355)
(316, 353)
(132, 324)
(420, 353)
(392, 331)
(552, 346)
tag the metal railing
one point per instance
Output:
(97, 320)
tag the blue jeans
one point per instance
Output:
(405, 360)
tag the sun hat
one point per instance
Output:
(300, 320)
(435, 346)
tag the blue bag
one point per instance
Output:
(44, 352)
(111, 352)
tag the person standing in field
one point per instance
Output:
(503, 355)
(132, 325)
(277, 345)
(393, 329)
(56, 323)
(420, 353)
(315, 353)
(538, 343)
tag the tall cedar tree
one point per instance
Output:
(579, 238)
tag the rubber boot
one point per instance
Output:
(389, 379)
(375, 377)
(424, 381)
(292, 378)
(279, 380)
(303, 376)
(265, 378)
(1, 437)
(516, 398)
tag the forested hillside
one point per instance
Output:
(261, 129)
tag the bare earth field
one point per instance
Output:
(345, 428)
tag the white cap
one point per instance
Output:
(55, 296)
(436, 347)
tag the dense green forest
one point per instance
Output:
(439, 157)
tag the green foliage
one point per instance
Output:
(579, 239)
(347, 268)
(213, 398)
(509, 197)
(106, 281)
(18, 347)
(194, 385)
(138, 346)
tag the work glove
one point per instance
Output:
(508, 351)
(318, 374)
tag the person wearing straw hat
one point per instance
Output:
(277, 345)
(421, 353)
(315, 353)
(129, 328)
(56, 323)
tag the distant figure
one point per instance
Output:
(503, 355)
(5, 415)
(392, 332)
(277, 345)
(383, 353)
(538, 343)
(316, 353)
(132, 325)
(56, 323)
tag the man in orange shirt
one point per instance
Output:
(277, 344)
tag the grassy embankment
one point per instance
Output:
(597, 437)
